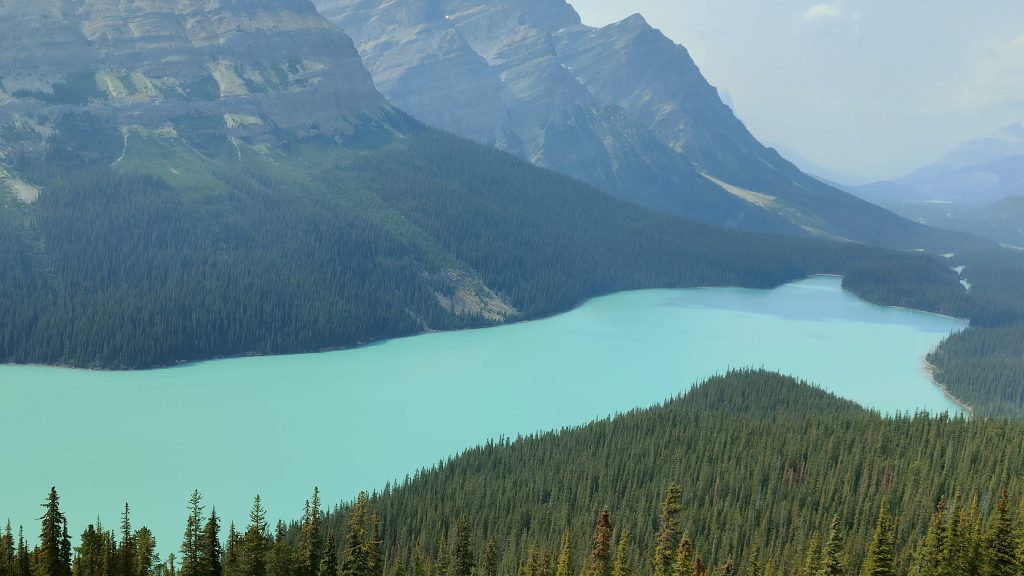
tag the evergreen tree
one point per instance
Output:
(1001, 546)
(146, 557)
(462, 561)
(22, 561)
(622, 562)
(667, 538)
(441, 560)
(53, 556)
(310, 538)
(126, 551)
(280, 561)
(210, 553)
(832, 552)
(698, 568)
(255, 542)
(928, 559)
(363, 555)
(812, 558)
(329, 559)
(420, 565)
(881, 560)
(489, 558)
(726, 569)
(233, 553)
(566, 564)
(7, 551)
(754, 564)
(600, 561)
(190, 544)
(684, 559)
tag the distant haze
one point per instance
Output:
(867, 88)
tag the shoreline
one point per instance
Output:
(929, 370)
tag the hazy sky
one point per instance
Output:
(868, 88)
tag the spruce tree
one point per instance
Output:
(622, 562)
(233, 553)
(812, 558)
(566, 564)
(441, 560)
(832, 552)
(726, 569)
(253, 559)
(1001, 542)
(146, 557)
(489, 558)
(310, 544)
(600, 561)
(280, 561)
(420, 565)
(881, 560)
(53, 555)
(667, 538)
(462, 561)
(7, 551)
(329, 559)
(126, 551)
(754, 564)
(190, 543)
(363, 554)
(684, 560)
(210, 553)
(698, 568)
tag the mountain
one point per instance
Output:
(975, 173)
(190, 180)
(975, 188)
(621, 107)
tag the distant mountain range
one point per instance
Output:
(978, 187)
(621, 107)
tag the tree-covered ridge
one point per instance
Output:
(792, 482)
(196, 246)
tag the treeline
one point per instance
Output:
(326, 248)
(764, 463)
(959, 541)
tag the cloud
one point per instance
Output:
(823, 13)
(995, 75)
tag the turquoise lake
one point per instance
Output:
(356, 419)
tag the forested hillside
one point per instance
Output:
(751, 473)
(197, 246)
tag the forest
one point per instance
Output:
(751, 473)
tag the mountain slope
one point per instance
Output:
(193, 180)
(621, 107)
(763, 462)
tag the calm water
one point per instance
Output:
(354, 420)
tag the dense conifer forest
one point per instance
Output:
(323, 247)
(751, 474)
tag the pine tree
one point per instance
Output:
(462, 561)
(622, 562)
(1001, 542)
(329, 559)
(254, 542)
(684, 560)
(928, 559)
(190, 543)
(280, 561)
(812, 559)
(310, 538)
(233, 553)
(146, 557)
(420, 565)
(489, 558)
(441, 560)
(7, 551)
(881, 560)
(363, 554)
(566, 564)
(22, 561)
(754, 564)
(698, 568)
(832, 552)
(600, 561)
(53, 555)
(210, 553)
(126, 551)
(667, 538)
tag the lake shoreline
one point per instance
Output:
(930, 370)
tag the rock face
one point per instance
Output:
(621, 107)
(258, 66)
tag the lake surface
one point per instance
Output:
(356, 419)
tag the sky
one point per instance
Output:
(862, 89)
